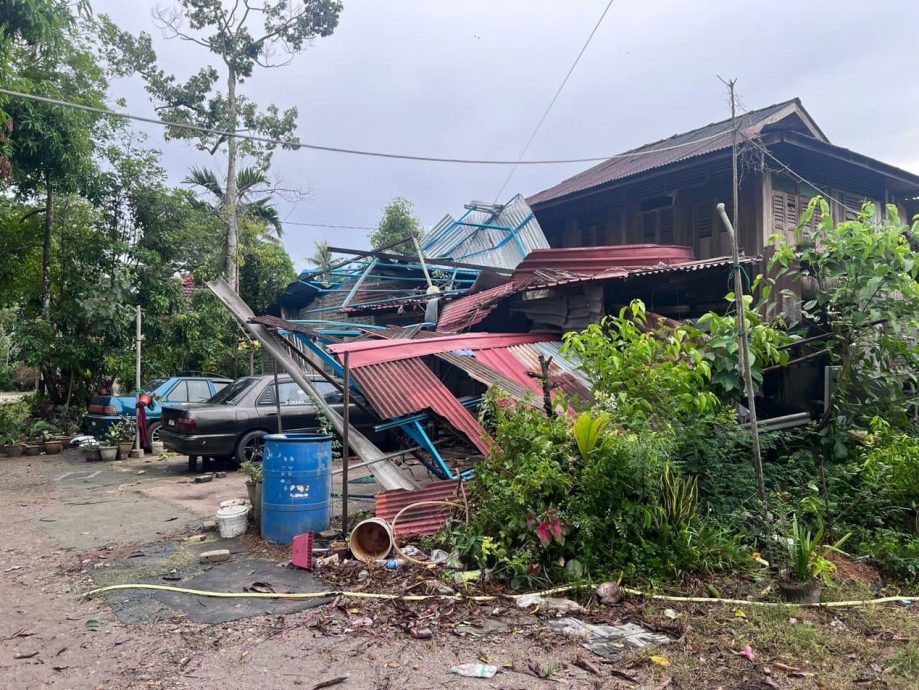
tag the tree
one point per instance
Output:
(50, 148)
(322, 258)
(265, 274)
(250, 182)
(398, 223)
(243, 36)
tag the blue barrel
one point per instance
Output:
(297, 487)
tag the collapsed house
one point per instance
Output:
(488, 296)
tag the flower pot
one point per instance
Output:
(13, 451)
(124, 450)
(33, 448)
(801, 592)
(108, 452)
(254, 490)
(93, 455)
(53, 447)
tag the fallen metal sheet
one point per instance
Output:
(404, 387)
(608, 641)
(423, 520)
(465, 312)
(386, 471)
(365, 353)
(483, 374)
(529, 357)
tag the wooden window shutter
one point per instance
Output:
(702, 220)
(666, 226)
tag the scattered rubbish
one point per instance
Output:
(232, 520)
(172, 575)
(410, 551)
(12, 568)
(197, 538)
(439, 556)
(216, 556)
(364, 622)
(474, 670)
(390, 563)
(329, 683)
(549, 603)
(660, 660)
(139, 472)
(608, 593)
(906, 602)
(606, 640)
(301, 551)
(747, 652)
(363, 575)
(328, 560)
(464, 577)
(203, 478)
(541, 669)
(94, 624)
(422, 634)
(485, 627)
(739, 613)
(671, 614)
(793, 621)
(28, 655)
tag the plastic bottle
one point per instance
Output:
(390, 563)
(474, 670)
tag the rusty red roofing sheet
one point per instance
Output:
(423, 520)
(592, 260)
(471, 309)
(365, 353)
(404, 387)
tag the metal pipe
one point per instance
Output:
(277, 394)
(744, 351)
(138, 336)
(388, 456)
(345, 447)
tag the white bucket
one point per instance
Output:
(232, 521)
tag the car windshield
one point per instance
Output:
(232, 393)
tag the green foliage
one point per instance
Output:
(265, 274)
(867, 300)
(398, 223)
(254, 470)
(13, 420)
(891, 465)
(806, 551)
(587, 430)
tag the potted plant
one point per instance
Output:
(9, 445)
(109, 448)
(127, 432)
(808, 568)
(255, 474)
(91, 449)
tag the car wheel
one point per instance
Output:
(251, 447)
(153, 433)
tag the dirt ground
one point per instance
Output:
(68, 527)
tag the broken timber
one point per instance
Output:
(385, 470)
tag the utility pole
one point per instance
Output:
(138, 336)
(744, 359)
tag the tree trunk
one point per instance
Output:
(230, 193)
(46, 252)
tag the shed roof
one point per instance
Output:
(712, 137)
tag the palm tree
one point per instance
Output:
(321, 258)
(250, 184)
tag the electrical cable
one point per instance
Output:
(329, 225)
(558, 92)
(296, 145)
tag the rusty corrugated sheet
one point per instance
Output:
(404, 387)
(529, 357)
(697, 142)
(423, 520)
(370, 352)
(478, 371)
(504, 361)
(593, 260)
(469, 310)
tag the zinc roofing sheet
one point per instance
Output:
(472, 240)
(404, 387)
(421, 520)
(471, 309)
(697, 142)
(593, 260)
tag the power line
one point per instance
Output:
(554, 98)
(333, 149)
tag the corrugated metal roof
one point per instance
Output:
(365, 353)
(486, 375)
(488, 235)
(399, 388)
(423, 520)
(591, 260)
(468, 310)
(558, 375)
(697, 142)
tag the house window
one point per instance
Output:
(789, 202)
(657, 220)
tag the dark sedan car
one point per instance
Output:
(233, 424)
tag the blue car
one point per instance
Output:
(106, 410)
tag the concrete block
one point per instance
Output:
(209, 526)
(216, 556)
(202, 478)
(220, 475)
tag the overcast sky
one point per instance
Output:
(470, 79)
